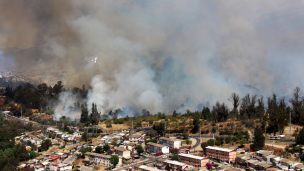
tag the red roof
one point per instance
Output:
(55, 164)
(77, 138)
(54, 157)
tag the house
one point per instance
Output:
(299, 167)
(252, 163)
(77, 139)
(154, 148)
(175, 165)
(221, 153)
(98, 158)
(54, 158)
(263, 166)
(286, 162)
(193, 160)
(264, 153)
(160, 164)
(130, 146)
(122, 152)
(171, 143)
(136, 138)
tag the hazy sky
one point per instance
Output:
(159, 54)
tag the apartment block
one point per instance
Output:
(193, 160)
(221, 153)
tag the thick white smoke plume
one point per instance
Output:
(66, 107)
(158, 55)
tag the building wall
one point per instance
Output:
(222, 155)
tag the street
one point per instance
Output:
(70, 159)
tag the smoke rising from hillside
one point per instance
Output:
(158, 55)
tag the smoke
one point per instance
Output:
(158, 55)
(66, 106)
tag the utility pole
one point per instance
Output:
(290, 122)
(200, 132)
(21, 111)
(165, 130)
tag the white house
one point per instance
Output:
(171, 143)
(154, 148)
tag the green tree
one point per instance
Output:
(185, 135)
(106, 147)
(160, 128)
(174, 113)
(138, 124)
(239, 136)
(32, 155)
(210, 142)
(247, 136)
(84, 115)
(300, 137)
(98, 149)
(1, 119)
(150, 122)
(242, 142)
(204, 145)
(259, 139)
(139, 149)
(114, 160)
(188, 141)
(228, 139)
(84, 137)
(2, 155)
(196, 123)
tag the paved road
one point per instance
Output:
(70, 159)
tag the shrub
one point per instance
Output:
(214, 129)
(213, 124)
(207, 131)
(228, 139)
(234, 139)
(242, 142)
(218, 143)
(210, 142)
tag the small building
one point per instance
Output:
(299, 167)
(263, 166)
(98, 158)
(286, 162)
(171, 143)
(154, 148)
(175, 165)
(122, 152)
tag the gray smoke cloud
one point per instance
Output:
(158, 55)
(66, 106)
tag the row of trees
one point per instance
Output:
(40, 96)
